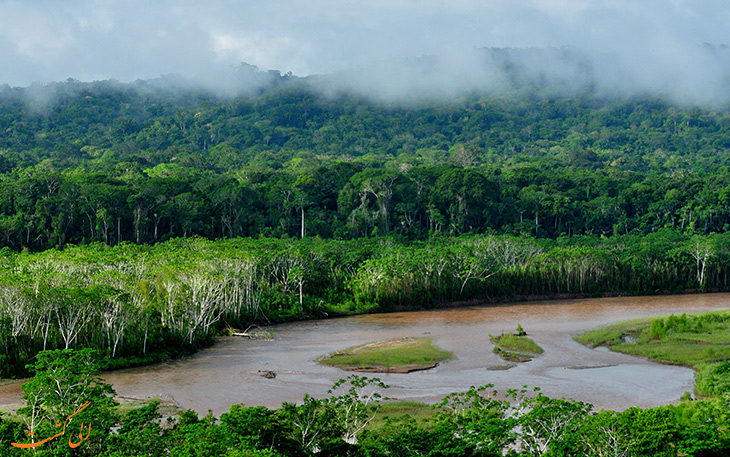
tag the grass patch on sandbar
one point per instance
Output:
(515, 348)
(700, 341)
(401, 355)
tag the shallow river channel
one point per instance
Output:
(229, 372)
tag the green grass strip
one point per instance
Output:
(395, 355)
(515, 348)
(700, 341)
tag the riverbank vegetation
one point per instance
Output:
(140, 221)
(515, 348)
(700, 341)
(353, 420)
(401, 355)
(140, 304)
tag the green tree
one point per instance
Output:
(312, 423)
(140, 434)
(357, 406)
(549, 425)
(477, 420)
(66, 391)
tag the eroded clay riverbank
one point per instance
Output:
(230, 371)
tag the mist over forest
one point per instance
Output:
(176, 170)
(700, 79)
(541, 149)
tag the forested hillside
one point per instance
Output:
(140, 219)
(151, 160)
(401, 206)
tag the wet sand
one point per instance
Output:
(230, 371)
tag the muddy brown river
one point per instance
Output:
(229, 372)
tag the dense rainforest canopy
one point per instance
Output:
(402, 205)
(139, 219)
(151, 160)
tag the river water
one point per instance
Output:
(229, 372)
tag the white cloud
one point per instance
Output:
(43, 40)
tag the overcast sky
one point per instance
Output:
(51, 40)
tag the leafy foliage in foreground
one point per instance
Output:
(472, 423)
